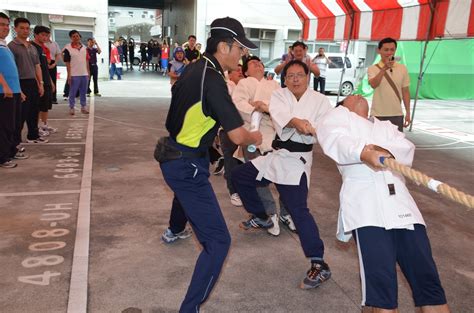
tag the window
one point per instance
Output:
(130, 13)
(254, 33)
(348, 63)
(293, 35)
(336, 62)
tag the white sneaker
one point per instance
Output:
(288, 222)
(275, 230)
(43, 133)
(235, 199)
(51, 130)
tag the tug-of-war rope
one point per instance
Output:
(431, 183)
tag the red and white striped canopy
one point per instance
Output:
(377, 19)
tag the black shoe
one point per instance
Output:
(256, 222)
(219, 169)
(316, 275)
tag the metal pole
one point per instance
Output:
(345, 56)
(420, 75)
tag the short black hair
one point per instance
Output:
(19, 20)
(3, 15)
(212, 43)
(299, 43)
(90, 38)
(72, 32)
(387, 40)
(191, 36)
(298, 63)
(245, 67)
(41, 29)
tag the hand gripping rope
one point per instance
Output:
(429, 182)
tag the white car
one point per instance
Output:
(333, 72)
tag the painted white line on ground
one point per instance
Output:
(77, 302)
(129, 124)
(67, 119)
(53, 144)
(39, 193)
(443, 132)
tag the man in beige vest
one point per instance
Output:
(391, 85)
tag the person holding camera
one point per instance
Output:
(92, 50)
(391, 85)
(322, 61)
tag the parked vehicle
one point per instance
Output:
(333, 72)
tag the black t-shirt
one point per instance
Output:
(192, 122)
(43, 64)
(192, 54)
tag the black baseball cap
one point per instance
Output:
(228, 27)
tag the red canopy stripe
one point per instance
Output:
(470, 26)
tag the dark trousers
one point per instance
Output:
(178, 218)
(322, 84)
(7, 127)
(53, 72)
(228, 148)
(18, 120)
(30, 107)
(94, 70)
(395, 120)
(189, 180)
(293, 197)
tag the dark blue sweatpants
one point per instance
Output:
(293, 197)
(188, 178)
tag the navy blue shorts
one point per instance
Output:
(379, 252)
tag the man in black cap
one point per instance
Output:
(200, 104)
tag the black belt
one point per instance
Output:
(291, 146)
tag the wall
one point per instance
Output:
(180, 16)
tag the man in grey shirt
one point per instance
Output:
(31, 79)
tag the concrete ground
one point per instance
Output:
(81, 219)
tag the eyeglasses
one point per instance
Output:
(243, 50)
(293, 76)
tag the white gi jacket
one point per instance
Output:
(281, 166)
(250, 89)
(365, 199)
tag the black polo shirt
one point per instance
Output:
(192, 121)
(192, 54)
(43, 64)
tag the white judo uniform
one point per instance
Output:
(281, 166)
(251, 89)
(365, 199)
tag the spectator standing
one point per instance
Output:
(299, 53)
(75, 57)
(177, 65)
(10, 109)
(114, 60)
(55, 52)
(92, 50)
(192, 54)
(131, 51)
(143, 56)
(391, 85)
(164, 57)
(31, 79)
(322, 61)
(156, 53)
(42, 34)
(124, 52)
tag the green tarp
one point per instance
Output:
(449, 69)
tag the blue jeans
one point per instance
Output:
(115, 71)
(189, 180)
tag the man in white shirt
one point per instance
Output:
(376, 207)
(322, 61)
(294, 111)
(252, 94)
